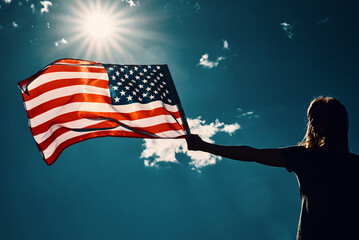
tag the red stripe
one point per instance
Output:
(163, 127)
(74, 140)
(64, 83)
(72, 116)
(69, 68)
(75, 61)
(80, 97)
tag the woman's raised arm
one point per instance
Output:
(270, 157)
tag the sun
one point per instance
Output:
(104, 29)
(98, 26)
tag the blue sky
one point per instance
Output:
(245, 72)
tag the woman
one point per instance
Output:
(327, 172)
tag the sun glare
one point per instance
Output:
(98, 26)
(104, 29)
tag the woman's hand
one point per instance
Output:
(194, 142)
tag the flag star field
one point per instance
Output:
(104, 86)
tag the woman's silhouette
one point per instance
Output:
(328, 174)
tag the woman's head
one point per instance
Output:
(327, 124)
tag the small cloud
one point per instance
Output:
(159, 151)
(14, 24)
(46, 5)
(248, 114)
(62, 41)
(131, 2)
(205, 62)
(32, 6)
(288, 29)
(197, 7)
(225, 44)
(7, 1)
(322, 21)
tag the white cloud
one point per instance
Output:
(159, 151)
(197, 7)
(46, 5)
(288, 29)
(205, 62)
(248, 114)
(131, 2)
(322, 21)
(14, 24)
(32, 6)
(225, 44)
(7, 1)
(62, 41)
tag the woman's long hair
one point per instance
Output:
(328, 124)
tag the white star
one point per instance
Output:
(131, 84)
(152, 84)
(144, 94)
(161, 86)
(148, 89)
(122, 79)
(117, 73)
(134, 93)
(154, 70)
(119, 83)
(140, 99)
(110, 68)
(122, 69)
(131, 72)
(169, 100)
(113, 77)
(137, 77)
(167, 91)
(149, 66)
(127, 88)
(152, 97)
(148, 77)
(126, 66)
(161, 74)
(144, 70)
(137, 90)
(155, 92)
(122, 93)
(129, 98)
(140, 86)
(144, 81)
(136, 68)
(117, 99)
(133, 81)
(126, 76)
(115, 88)
(141, 73)
(158, 67)
(164, 83)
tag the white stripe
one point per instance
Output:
(53, 76)
(97, 107)
(69, 135)
(83, 123)
(63, 92)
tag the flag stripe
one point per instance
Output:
(133, 111)
(71, 68)
(44, 139)
(65, 100)
(51, 159)
(75, 115)
(65, 91)
(46, 87)
(64, 76)
(61, 135)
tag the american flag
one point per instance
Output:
(73, 100)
